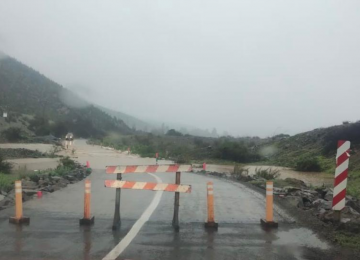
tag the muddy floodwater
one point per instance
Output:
(310, 178)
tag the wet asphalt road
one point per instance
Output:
(54, 231)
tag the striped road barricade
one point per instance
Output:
(177, 187)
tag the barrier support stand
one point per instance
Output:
(210, 224)
(175, 222)
(87, 220)
(117, 220)
(269, 221)
(19, 218)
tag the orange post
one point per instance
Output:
(210, 206)
(269, 202)
(87, 220)
(18, 200)
(269, 221)
(19, 218)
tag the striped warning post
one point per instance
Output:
(19, 218)
(148, 168)
(87, 220)
(210, 206)
(135, 185)
(341, 173)
(268, 222)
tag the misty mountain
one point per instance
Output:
(46, 107)
(133, 122)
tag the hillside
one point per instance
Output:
(131, 121)
(42, 107)
(320, 143)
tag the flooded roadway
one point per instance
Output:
(310, 178)
(54, 232)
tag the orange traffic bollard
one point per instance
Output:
(269, 221)
(210, 207)
(87, 164)
(87, 220)
(19, 218)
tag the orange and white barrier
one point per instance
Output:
(210, 206)
(19, 218)
(135, 185)
(148, 168)
(87, 220)
(269, 221)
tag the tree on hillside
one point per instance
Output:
(12, 134)
(173, 132)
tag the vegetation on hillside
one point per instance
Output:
(7, 180)
(315, 150)
(37, 105)
(180, 148)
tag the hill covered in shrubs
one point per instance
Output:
(38, 106)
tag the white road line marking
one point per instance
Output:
(125, 242)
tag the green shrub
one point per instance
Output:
(267, 174)
(66, 162)
(5, 167)
(6, 182)
(308, 164)
(240, 172)
(353, 188)
(173, 132)
(13, 134)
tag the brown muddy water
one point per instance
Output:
(310, 178)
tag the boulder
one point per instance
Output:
(2, 197)
(70, 178)
(43, 183)
(321, 191)
(327, 216)
(329, 196)
(29, 192)
(6, 202)
(348, 211)
(295, 182)
(353, 204)
(29, 184)
(279, 191)
(55, 179)
(295, 201)
(11, 195)
(289, 189)
(57, 186)
(48, 188)
(348, 215)
(313, 192)
(322, 204)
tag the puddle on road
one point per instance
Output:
(302, 236)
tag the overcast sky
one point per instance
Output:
(246, 67)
